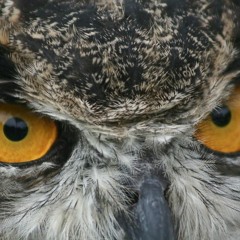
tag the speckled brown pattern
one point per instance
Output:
(130, 75)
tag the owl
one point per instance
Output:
(119, 120)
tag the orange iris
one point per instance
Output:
(222, 132)
(24, 136)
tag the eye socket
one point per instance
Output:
(220, 131)
(24, 136)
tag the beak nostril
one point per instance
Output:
(132, 197)
(165, 192)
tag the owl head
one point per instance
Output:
(119, 119)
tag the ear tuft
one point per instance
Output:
(12, 12)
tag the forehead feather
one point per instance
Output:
(118, 60)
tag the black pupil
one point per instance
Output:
(15, 129)
(221, 116)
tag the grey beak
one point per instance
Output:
(152, 216)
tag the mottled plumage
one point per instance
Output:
(128, 81)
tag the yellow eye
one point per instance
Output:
(220, 131)
(24, 136)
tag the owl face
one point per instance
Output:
(119, 119)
